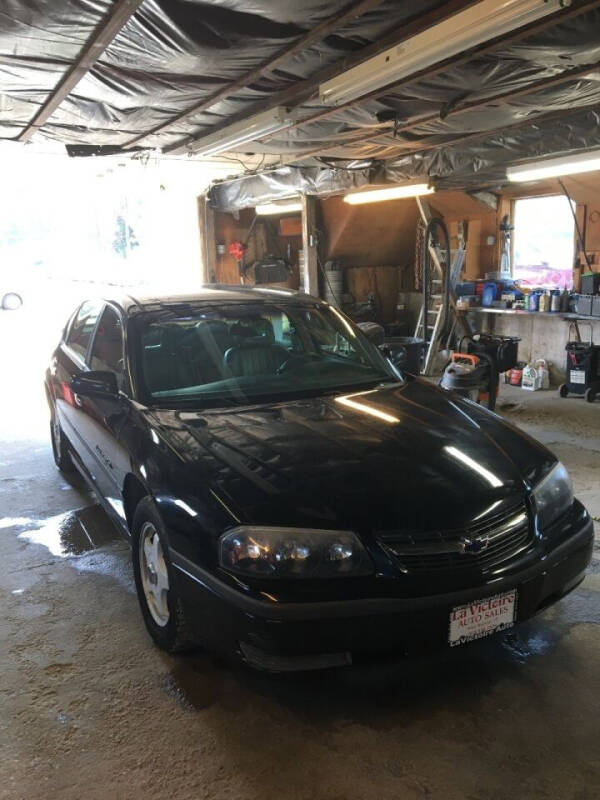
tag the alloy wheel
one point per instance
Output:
(154, 575)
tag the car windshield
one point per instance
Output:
(254, 352)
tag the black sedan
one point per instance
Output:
(290, 497)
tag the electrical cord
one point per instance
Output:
(324, 273)
(317, 234)
(579, 234)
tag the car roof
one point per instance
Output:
(213, 293)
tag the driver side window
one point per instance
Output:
(107, 350)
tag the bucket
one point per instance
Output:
(333, 288)
(406, 353)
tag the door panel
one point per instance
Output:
(105, 416)
(71, 360)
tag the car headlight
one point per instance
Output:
(292, 553)
(553, 495)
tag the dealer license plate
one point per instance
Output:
(482, 617)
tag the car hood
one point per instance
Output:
(404, 456)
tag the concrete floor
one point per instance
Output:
(90, 709)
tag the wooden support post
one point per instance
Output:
(208, 245)
(309, 244)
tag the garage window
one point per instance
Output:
(82, 328)
(544, 242)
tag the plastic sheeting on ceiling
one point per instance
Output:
(173, 53)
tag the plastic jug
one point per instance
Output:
(489, 294)
(543, 375)
(530, 378)
(534, 298)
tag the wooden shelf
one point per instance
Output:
(523, 313)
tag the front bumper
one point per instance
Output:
(291, 636)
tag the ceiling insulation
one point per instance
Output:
(116, 76)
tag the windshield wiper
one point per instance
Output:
(361, 385)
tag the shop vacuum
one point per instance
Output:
(474, 373)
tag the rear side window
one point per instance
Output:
(82, 328)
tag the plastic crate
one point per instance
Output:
(590, 283)
(583, 304)
(465, 289)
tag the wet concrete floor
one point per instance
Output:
(90, 709)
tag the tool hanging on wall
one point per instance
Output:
(505, 231)
(237, 250)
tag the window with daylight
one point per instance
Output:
(544, 242)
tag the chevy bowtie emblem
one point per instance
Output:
(473, 546)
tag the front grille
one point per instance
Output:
(500, 538)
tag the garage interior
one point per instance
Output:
(211, 111)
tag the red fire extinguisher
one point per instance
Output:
(237, 250)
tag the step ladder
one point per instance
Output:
(431, 322)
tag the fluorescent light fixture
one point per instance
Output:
(554, 167)
(240, 133)
(390, 193)
(285, 207)
(475, 25)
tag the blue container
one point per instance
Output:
(466, 288)
(534, 301)
(490, 291)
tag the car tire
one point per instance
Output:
(60, 446)
(11, 301)
(562, 390)
(590, 395)
(161, 606)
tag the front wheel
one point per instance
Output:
(590, 395)
(562, 390)
(160, 604)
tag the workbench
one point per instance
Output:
(540, 338)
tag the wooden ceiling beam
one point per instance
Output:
(303, 90)
(550, 116)
(306, 89)
(104, 34)
(464, 107)
(319, 32)
(502, 97)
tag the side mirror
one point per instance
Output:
(95, 383)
